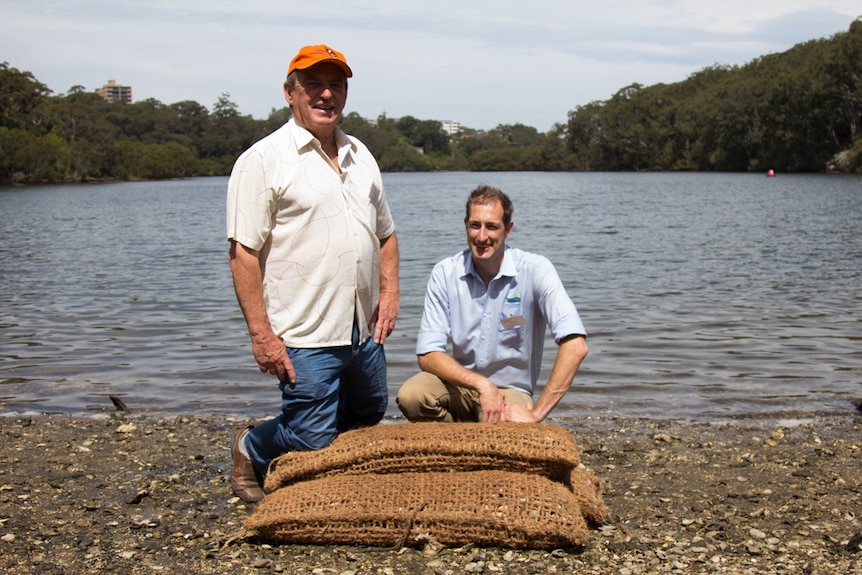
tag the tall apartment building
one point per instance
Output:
(451, 127)
(113, 92)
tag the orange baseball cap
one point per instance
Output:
(310, 55)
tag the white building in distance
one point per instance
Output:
(113, 92)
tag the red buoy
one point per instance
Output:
(770, 174)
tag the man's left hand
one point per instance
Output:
(519, 413)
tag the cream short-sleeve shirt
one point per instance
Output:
(317, 232)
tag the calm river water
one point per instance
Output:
(706, 296)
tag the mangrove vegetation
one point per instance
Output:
(799, 110)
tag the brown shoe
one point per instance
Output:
(244, 480)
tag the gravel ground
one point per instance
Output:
(137, 495)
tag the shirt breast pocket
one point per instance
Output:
(512, 322)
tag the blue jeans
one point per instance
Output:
(336, 389)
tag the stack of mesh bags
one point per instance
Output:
(509, 485)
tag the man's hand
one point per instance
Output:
(492, 402)
(519, 413)
(268, 349)
(271, 357)
(573, 350)
(385, 315)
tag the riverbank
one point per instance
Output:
(137, 495)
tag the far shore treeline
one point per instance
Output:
(797, 111)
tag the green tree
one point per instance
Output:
(139, 161)
(425, 134)
(43, 158)
(20, 95)
(80, 120)
(403, 157)
(188, 122)
(377, 139)
(12, 140)
(229, 132)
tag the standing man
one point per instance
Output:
(314, 259)
(493, 302)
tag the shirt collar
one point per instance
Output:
(507, 268)
(303, 139)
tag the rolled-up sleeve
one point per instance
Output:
(557, 306)
(435, 326)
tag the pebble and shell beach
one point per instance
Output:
(138, 495)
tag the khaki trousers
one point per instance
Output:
(426, 397)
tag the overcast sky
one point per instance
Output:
(481, 63)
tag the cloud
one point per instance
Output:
(481, 63)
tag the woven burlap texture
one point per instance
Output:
(506, 485)
(485, 508)
(538, 448)
(587, 489)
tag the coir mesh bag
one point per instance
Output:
(486, 508)
(587, 489)
(538, 448)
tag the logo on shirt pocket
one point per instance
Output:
(512, 322)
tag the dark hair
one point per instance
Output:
(484, 195)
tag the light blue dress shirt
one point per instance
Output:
(498, 332)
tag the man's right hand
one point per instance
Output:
(492, 402)
(271, 356)
(268, 349)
